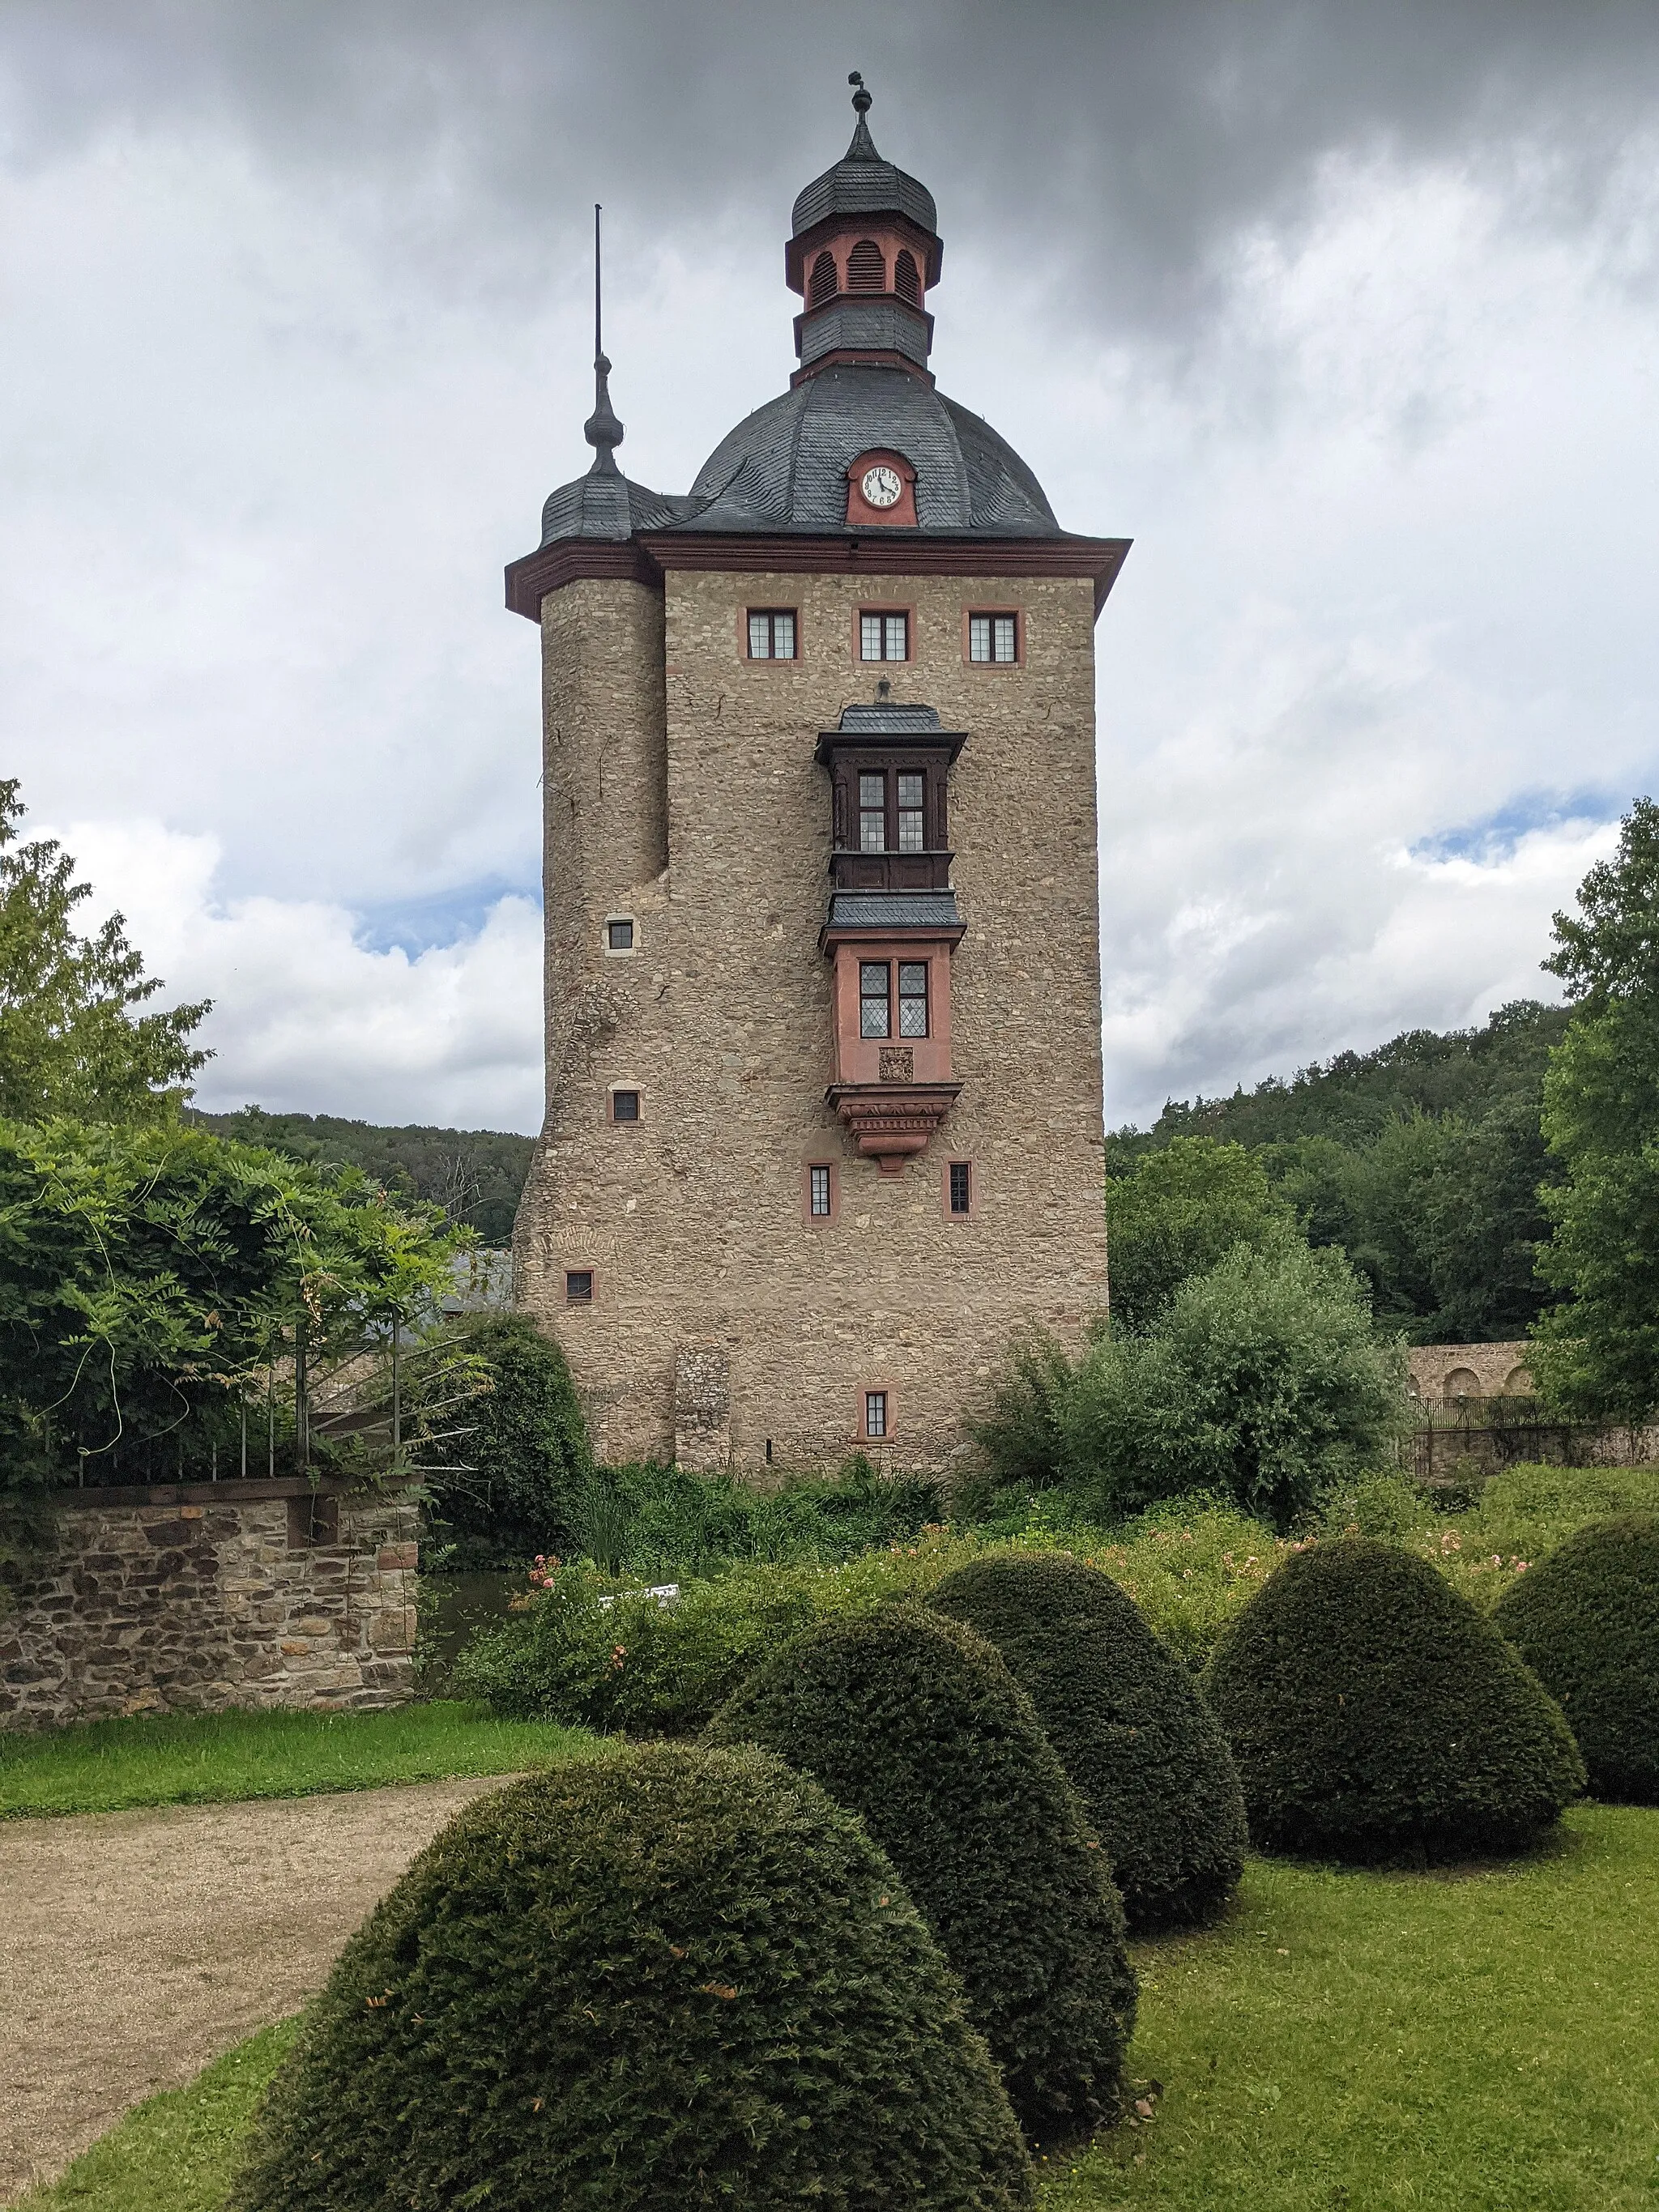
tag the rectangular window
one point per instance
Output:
(579, 1286)
(884, 637)
(992, 638)
(962, 1188)
(619, 936)
(624, 1105)
(819, 1180)
(913, 998)
(873, 814)
(771, 634)
(910, 836)
(875, 1413)
(875, 1010)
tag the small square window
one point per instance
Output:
(619, 934)
(579, 1286)
(624, 1105)
(885, 636)
(818, 1181)
(875, 1413)
(771, 634)
(875, 1000)
(994, 639)
(962, 1187)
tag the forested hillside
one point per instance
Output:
(475, 1174)
(1422, 1159)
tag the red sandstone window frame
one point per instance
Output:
(968, 614)
(885, 607)
(745, 615)
(945, 1206)
(832, 1168)
(875, 1388)
(632, 1120)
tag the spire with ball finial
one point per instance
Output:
(863, 147)
(602, 429)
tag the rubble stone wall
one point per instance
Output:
(201, 1596)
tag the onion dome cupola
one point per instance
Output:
(864, 252)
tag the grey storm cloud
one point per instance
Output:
(1120, 142)
(1344, 312)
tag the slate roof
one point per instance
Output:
(785, 466)
(604, 503)
(893, 910)
(886, 717)
(862, 183)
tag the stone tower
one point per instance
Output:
(822, 986)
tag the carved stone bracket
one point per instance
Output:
(890, 1122)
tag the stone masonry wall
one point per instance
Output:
(203, 1596)
(691, 1221)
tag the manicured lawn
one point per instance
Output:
(1486, 2041)
(176, 2153)
(1482, 2041)
(200, 1758)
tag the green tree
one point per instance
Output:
(1598, 1349)
(70, 1041)
(514, 1481)
(1180, 1210)
(150, 1275)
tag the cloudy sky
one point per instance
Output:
(1346, 313)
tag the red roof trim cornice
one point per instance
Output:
(530, 579)
(642, 560)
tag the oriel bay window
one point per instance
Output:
(891, 927)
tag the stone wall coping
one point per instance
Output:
(234, 1492)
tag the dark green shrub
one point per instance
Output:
(1142, 1747)
(672, 1977)
(913, 1721)
(1373, 1713)
(521, 1471)
(1586, 1620)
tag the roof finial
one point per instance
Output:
(863, 147)
(602, 430)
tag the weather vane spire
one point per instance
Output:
(863, 147)
(602, 430)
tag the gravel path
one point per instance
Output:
(135, 1946)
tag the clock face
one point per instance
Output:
(882, 486)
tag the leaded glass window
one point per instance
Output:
(910, 837)
(873, 814)
(913, 998)
(875, 1004)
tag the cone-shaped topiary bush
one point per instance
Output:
(671, 1976)
(1142, 1747)
(913, 1721)
(1586, 1620)
(1373, 1713)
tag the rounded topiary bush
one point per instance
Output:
(913, 1721)
(673, 1976)
(1373, 1713)
(1142, 1747)
(1586, 1620)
